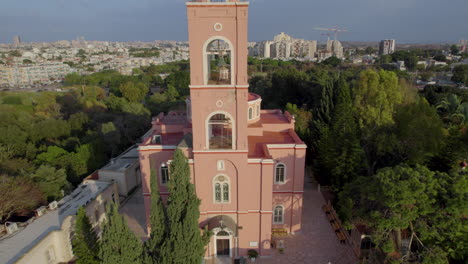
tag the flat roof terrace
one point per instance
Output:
(257, 144)
(167, 139)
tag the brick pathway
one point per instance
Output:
(317, 243)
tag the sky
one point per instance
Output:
(407, 21)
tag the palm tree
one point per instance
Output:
(453, 109)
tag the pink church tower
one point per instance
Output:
(247, 164)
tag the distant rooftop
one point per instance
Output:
(13, 247)
(123, 161)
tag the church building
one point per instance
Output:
(247, 164)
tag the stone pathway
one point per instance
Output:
(317, 243)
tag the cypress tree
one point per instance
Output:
(185, 243)
(84, 242)
(158, 220)
(119, 245)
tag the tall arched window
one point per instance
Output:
(218, 57)
(258, 110)
(220, 132)
(280, 173)
(221, 189)
(250, 113)
(164, 174)
(278, 215)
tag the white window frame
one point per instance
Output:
(281, 215)
(207, 128)
(220, 165)
(250, 113)
(276, 173)
(163, 165)
(221, 183)
(205, 60)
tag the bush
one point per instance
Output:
(252, 253)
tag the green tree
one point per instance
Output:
(419, 131)
(303, 120)
(51, 181)
(460, 74)
(339, 152)
(171, 93)
(27, 61)
(180, 80)
(17, 194)
(52, 156)
(84, 241)
(81, 53)
(370, 50)
(332, 61)
(376, 96)
(385, 59)
(72, 79)
(440, 57)
(453, 109)
(133, 92)
(454, 49)
(185, 243)
(15, 53)
(118, 244)
(392, 200)
(158, 220)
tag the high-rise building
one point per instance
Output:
(463, 45)
(284, 46)
(335, 47)
(247, 164)
(16, 40)
(387, 46)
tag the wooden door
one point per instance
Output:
(222, 247)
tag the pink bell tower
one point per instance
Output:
(247, 164)
(218, 69)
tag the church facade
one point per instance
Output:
(247, 164)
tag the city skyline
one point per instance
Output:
(146, 20)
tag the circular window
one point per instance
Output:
(218, 27)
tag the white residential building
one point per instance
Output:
(47, 238)
(387, 46)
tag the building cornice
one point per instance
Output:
(286, 146)
(156, 147)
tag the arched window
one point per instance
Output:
(278, 215)
(258, 110)
(221, 189)
(250, 113)
(220, 132)
(218, 57)
(164, 174)
(280, 173)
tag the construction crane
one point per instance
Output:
(336, 30)
(326, 34)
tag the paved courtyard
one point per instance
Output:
(317, 243)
